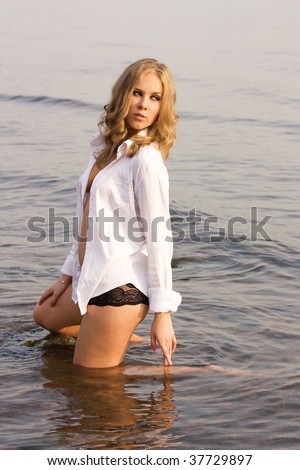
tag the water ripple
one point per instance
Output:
(48, 100)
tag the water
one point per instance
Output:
(236, 66)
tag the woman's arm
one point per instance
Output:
(67, 270)
(152, 195)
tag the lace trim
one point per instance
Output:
(119, 296)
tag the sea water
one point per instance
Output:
(234, 200)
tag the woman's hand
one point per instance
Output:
(162, 333)
(56, 290)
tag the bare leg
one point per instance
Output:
(64, 317)
(74, 332)
(105, 333)
(64, 314)
(141, 371)
(70, 330)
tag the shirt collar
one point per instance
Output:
(127, 143)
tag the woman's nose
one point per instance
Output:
(143, 103)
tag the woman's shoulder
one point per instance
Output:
(149, 157)
(97, 144)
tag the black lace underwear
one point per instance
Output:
(124, 295)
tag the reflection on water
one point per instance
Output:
(104, 408)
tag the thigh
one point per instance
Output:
(105, 333)
(64, 313)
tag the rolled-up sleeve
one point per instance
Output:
(152, 198)
(69, 264)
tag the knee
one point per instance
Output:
(41, 317)
(38, 315)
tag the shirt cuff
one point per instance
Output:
(163, 300)
(68, 266)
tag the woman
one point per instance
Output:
(120, 265)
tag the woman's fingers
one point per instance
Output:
(53, 300)
(167, 349)
(45, 295)
(162, 334)
(55, 291)
(153, 343)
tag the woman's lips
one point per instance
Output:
(139, 117)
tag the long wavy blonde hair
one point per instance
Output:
(112, 123)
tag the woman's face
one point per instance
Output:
(144, 103)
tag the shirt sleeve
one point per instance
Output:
(152, 198)
(68, 267)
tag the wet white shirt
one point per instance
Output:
(129, 229)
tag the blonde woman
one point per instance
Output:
(119, 266)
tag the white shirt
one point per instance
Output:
(120, 248)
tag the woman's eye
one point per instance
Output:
(137, 93)
(155, 97)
